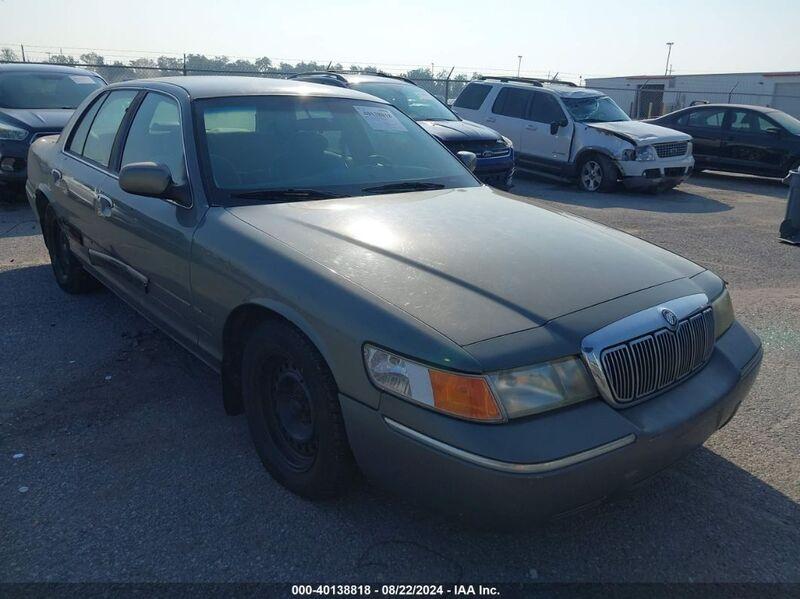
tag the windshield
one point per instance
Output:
(293, 148)
(791, 124)
(414, 101)
(45, 90)
(597, 109)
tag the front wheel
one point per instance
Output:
(69, 272)
(292, 407)
(597, 173)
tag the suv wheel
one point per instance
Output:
(596, 173)
(292, 407)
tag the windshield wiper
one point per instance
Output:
(401, 187)
(288, 194)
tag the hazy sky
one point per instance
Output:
(600, 37)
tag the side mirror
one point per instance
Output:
(151, 180)
(469, 159)
(554, 126)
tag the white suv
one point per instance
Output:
(569, 131)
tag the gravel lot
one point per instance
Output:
(118, 463)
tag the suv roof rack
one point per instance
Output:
(531, 80)
(338, 75)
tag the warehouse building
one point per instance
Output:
(643, 96)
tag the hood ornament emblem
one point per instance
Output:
(670, 318)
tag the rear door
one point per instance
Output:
(148, 240)
(754, 143)
(539, 148)
(469, 101)
(508, 113)
(705, 125)
(81, 169)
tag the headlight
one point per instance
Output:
(690, 149)
(644, 153)
(10, 132)
(455, 394)
(723, 313)
(507, 141)
(534, 389)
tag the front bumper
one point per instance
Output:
(498, 171)
(555, 462)
(13, 161)
(657, 173)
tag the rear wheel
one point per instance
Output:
(597, 173)
(69, 272)
(292, 407)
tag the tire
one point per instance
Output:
(597, 173)
(787, 179)
(69, 272)
(292, 407)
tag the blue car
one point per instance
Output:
(36, 100)
(495, 153)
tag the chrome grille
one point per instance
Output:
(672, 149)
(645, 365)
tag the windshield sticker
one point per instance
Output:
(380, 119)
(82, 79)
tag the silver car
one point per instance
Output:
(370, 305)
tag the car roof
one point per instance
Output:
(764, 109)
(26, 67)
(344, 78)
(561, 89)
(216, 86)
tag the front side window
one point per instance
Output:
(747, 121)
(156, 136)
(705, 117)
(788, 122)
(82, 130)
(595, 109)
(104, 128)
(545, 109)
(34, 90)
(513, 102)
(414, 101)
(263, 148)
(472, 96)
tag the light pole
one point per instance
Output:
(519, 64)
(669, 52)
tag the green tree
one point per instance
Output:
(8, 55)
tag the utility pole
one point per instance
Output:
(669, 52)
(21, 47)
(519, 64)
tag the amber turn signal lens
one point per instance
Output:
(465, 396)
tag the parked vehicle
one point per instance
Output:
(367, 301)
(741, 139)
(568, 131)
(36, 100)
(495, 153)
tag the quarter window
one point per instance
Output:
(545, 109)
(82, 130)
(156, 136)
(100, 139)
(473, 96)
(512, 101)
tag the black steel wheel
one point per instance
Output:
(69, 272)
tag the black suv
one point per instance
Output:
(36, 100)
(741, 139)
(495, 153)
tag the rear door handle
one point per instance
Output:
(490, 119)
(531, 128)
(104, 205)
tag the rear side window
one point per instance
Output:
(82, 130)
(101, 135)
(513, 102)
(545, 109)
(706, 117)
(472, 96)
(156, 136)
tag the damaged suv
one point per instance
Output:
(560, 129)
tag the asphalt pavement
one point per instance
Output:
(117, 462)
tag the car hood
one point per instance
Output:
(39, 119)
(640, 133)
(459, 131)
(473, 263)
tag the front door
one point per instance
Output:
(150, 239)
(753, 143)
(542, 145)
(507, 115)
(705, 127)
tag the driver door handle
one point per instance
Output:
(56, 174)
(104, 205)
(531, 128)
